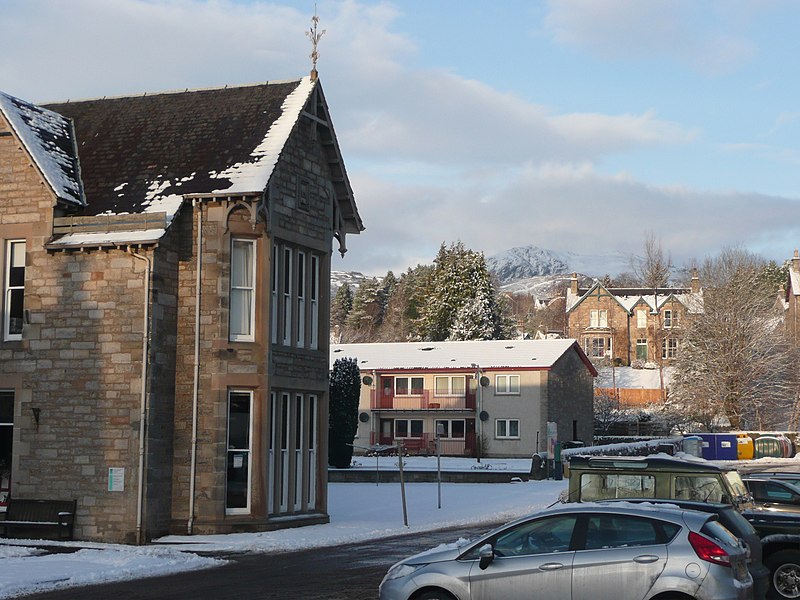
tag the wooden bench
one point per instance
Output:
(27, 517)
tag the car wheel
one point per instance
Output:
(434, 595)
(785, 569)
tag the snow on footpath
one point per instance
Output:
(358, 511)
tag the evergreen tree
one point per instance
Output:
(344, 391)
(461, 300)
(341, 306)
(366, 316)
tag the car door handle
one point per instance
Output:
(646, 558)
(551, 566)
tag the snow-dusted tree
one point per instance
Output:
(341, 306)
(459, 278)
(607, 414)
(366, 315)
(344, 391)
(734, 364)
(404, 299)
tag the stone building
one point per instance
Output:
(164, 342)
(502, 392)
(629, 324)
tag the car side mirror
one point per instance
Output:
(487, 556)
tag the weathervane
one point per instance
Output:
(315, 37)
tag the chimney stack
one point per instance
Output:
(695, 282)
(573, 284)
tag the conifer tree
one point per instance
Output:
(344, 391)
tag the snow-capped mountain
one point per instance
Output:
(531, 261)
(351, 278)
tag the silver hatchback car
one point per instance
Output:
(583, 552)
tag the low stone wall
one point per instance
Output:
(393, 476)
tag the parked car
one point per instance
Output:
(733, 520)
(767, 492)
(584, 552)
(788, 476)
(778, 525)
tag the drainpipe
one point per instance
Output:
(196, 383)
(143, 400)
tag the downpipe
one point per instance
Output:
(196, 378)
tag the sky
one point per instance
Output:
(358, 511)
(573, 125)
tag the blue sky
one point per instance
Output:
(574, 125)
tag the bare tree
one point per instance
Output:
(734, 360)
(653, 269)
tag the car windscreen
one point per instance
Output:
(604, 486)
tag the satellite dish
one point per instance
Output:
(484, 416)
(367, 380)
(484, 381)
(363, 417)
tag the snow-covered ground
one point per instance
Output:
(358, 511)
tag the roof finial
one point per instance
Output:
(315, 37)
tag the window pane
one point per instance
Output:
(457, 428)
(16, 303)
(442, 384)
(241, 317)
(500, 428)
(443, 428)
(417, 385)
(401, 428)
(458, 386)
(416, 428)
(513, 382)
(242, 264)
(401, 386)
(513, 428)
(238, 470)
(239, 421)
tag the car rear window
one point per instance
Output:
(622, 531)
(604, 486)
(717, 530)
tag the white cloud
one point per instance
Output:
(707, 36)
(564, 207)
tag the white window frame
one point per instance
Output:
(450, 422)
(503, 385)
(274, 307)
(644, 345)
(598, 318)
(641, 318)
(669, 348)
(286, 283)
(248, 451)
(506, 429)
(450, 388)
(410, 378)
(301, 299)
(315, 301)
(408, 429)
(8, 288)
(248, 336)
(589, 350)
(669, 319)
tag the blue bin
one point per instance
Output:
(719, 446)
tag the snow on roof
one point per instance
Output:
(110, 238)
(253, 175)
(49, 139)
(630, 378)
(487, 354)
(147, 153)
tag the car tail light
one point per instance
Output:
(709, 550)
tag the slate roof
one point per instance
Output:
(50, 140)
(628, 298)
(488, 354)
(143, 153)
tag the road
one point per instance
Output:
(347, 572)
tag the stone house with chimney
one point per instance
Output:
(164, 341)
(624, 325)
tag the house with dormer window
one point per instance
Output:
(624, 325)
(164, 342)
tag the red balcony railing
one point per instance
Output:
(425, 444)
